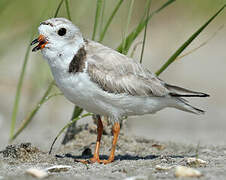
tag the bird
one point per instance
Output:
(104, 81)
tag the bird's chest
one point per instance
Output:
(78, 89)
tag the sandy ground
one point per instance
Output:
(136, 158)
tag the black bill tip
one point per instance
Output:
(36, 48)
(34, 42)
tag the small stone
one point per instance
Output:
(163, 168)
(22, 151)
(196, 162)
(137, 178)
(182, 171)
(58, 168)
(38, 173)
(158, 146)
(164, 160)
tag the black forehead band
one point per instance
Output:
(46, 23)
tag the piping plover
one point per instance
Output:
(103, 81)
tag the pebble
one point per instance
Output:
(38, 173)
(182, 171)
(196, 162)
(58, 168)
(158, 146)
(137, 178)
(163, 168)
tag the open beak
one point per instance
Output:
(41, 43)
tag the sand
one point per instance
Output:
(136, 158)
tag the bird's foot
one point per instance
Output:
(106, 161)
(82, 161)
(95, 160)
(89, 161)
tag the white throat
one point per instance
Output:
(59, 58)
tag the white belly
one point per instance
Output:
(81, 91)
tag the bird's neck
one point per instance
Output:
(59, 62)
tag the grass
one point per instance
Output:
(123, 47)
(30, 116)
(186, 43)
(202, 44)
(147, 10)
(66, 126)
(134, 34)
(102, 34)
(97, 18)
(68, 10)
(18, 90)
(127, 26)
(77, 111)
(19, 87)
(58, 8)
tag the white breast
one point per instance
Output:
(81, 91)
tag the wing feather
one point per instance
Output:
(116, 73)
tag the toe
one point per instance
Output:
(106, 161)
(94, 159)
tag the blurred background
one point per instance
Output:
(203, 70)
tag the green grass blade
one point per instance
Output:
(68, 10)
(102, 17)
(30, 116)
(201, 45)
(97, 17)
(77, 111)
(135, 48)
(19, 86)
(145, 30)
(66, 126)
(127, 26)
(164, 6)
(18, 90)
(72, 129)
(133, 35)
(58, 8)
(180, 49)
(102, 35)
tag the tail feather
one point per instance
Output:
(184, 106)
(176, 91)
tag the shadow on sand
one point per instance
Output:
(122, 157)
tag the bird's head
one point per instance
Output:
(56, 34)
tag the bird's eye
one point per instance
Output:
(61, 31)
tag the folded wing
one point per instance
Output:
(116, 73)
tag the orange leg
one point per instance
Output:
(116, 130)
(95, 157)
